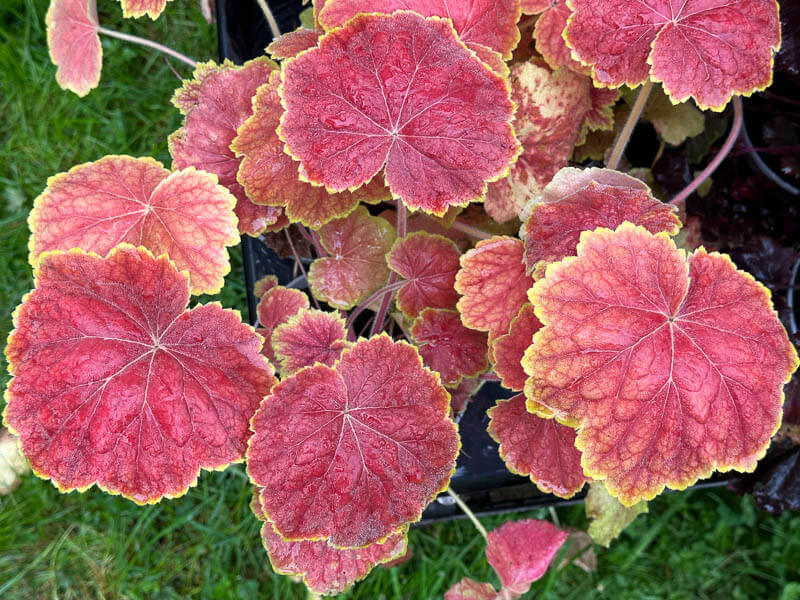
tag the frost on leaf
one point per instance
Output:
(521, 551)
(270, 177)
(219, 100)
(138, 8)
(429, 263)
(95, 206)
(551, 110)
(542, 449)
(276, 306)
(353, 453)
(309, 337)
(74, 44)
(608, 517)
(493, 285)
(469, 589)
(508, 349)
(293, 43)
(399, 92)
(449, 348)
(116, 383)
(706, 49)
(488, 23)
(356, 263)
(581, 200)
(669, 367)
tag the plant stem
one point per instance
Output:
(401, 225)
(299, 263)
(733, 135)
(463, 506)
(363, 305)
(317, 244)
(273, 24)
(627, 129)
(470, 230)
(488, 377)
(149, 43)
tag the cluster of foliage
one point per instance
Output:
(391, 138)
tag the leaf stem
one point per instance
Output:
(470, 230)
(321, 252)
(273, 24)
(625, 135)
(401, 226)
(463, 506)
(300, 264)
(363, 305)
(733, 135)
(135, 39)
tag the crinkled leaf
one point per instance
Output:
(670, 368)
(521, 551)
(293, 43)
(356, 265)
(551, 108)
(399, 92)
(608, 516)
(219, 100)
(429, 263)
(550, 43)
(139, 8)
(95, 206)
(542, 449)
(508, 349)
(706, 49)
(269, 175)
(581, 200)
(116, 383)
(353, 453)
(675, 123)
(74, 44)
(493, 285)
(276, 306)
(309, 337)
(449, 348)
(469, 589)
(490, 23)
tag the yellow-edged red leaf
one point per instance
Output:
(508, 349)
(276, 306)
(139, 8)
(74, 44)
(309, 337)
(293, 43)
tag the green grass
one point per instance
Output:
(702, 544)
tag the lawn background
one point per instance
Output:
(699, 544)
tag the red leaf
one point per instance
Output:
(95, 206)
(400, 92)
(309, 337)
(276, 307)
(74, 44)
(138, 8)
(490, 23)
(493, 285)
(116, 383)
(217, 102)
(263, 285)
(581, 200)
(601, 115)
(269, 175)
(551, 109)
(549, 41)
(670, 368)
(353, 453)
(462, 394)
(293, 43)
(534, 7)
(356, 265)
(706, 49)
(468, 589)
(508, 349)
(521, 551)
(448, 347)
(542, 449)
(429, 263)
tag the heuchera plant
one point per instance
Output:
(402, 144)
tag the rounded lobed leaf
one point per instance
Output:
(139, 8)
(95, 206)
(609, 517)
(400, 92)
(429, 263)
(293, 43)
(521, 551)
(549, 40)
(216, 103)
(117, 384)
(707, 49)
(493, 285)
(275, 307)
(489, 23)
(74, 44)
(673, 122)
(579, 200)
(353, 453)
(508, 350)
(309, 337)
(263, 285)
(469, 589)
(356, 263)
(670, 367)
(269, 175)
(449, 348)
(601, 115)
(540, 448)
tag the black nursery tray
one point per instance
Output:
(481, 477)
